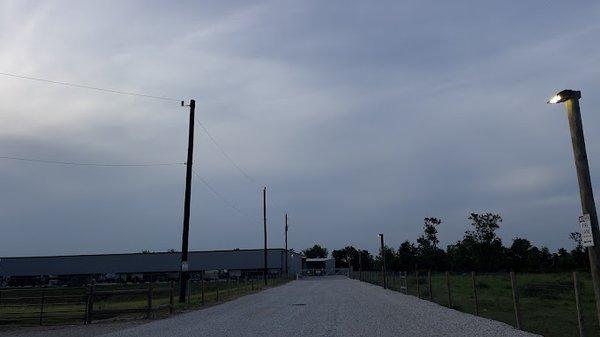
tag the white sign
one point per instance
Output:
(184, 266)
(587, 238)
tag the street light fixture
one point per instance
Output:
(383, 262)
(571, 100)
(564, 95)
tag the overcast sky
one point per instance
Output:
(360, 119)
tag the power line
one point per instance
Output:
(72, 163)
(220, 196)
(83, 86)
(89, 87)
(238, 167)
(214, 141)
(233, 163)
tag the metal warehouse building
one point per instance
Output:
(144, 266)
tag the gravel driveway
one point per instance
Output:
(334, 306)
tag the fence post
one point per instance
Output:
(448, 288)
(578, 303)
(360, 276)
(238, 286)
(43, 299)
(227, 286)
(475, 293)
(171, 291)
(515, 292)
(90, 305)
(418, 284)
(429, 284)
(202, 288)
(189, 291)
(149, 297)
(217, 290)
(406, 281)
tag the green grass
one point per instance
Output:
(547, 301)
(68, 305)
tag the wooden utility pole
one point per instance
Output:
(286, 244)
(585, 190)
(265, 271)
(360, 269)
(383, 262)
(183, 274)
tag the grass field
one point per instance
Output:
(547, 301)
(52, 306)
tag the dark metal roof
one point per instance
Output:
(139, 262)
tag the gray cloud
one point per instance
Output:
(361, 118)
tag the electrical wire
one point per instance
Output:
(233, 163)
(83, 86)
(89, 87)
(72, 163)
(220, 196)
(224, 153)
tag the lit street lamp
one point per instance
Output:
(383, 262)
(571, 100)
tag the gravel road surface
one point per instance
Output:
(334, 306)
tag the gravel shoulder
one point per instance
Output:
(332, 306)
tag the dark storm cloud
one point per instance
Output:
(361, 118)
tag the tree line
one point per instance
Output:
(480, 249)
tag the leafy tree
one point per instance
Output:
(519, 254)
(485, 226)
(367, 261)
(390, 259)
(480, 249)
(429, 255)
(354, 257)
(460, 256)
(564, 260)
(407, 256)
(579, 256)
(429, 237)
(315, 251)
(345, 257)
(545, 262)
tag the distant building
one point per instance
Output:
(138, 267)
(318, 266)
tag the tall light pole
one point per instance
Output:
(266, 269)
(571, 100)
(183, 273)
(286, 245)
(360, 264)
(383, 262)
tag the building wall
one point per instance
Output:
(144, 263)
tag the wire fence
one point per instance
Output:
(551, 304)
(27, 306)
